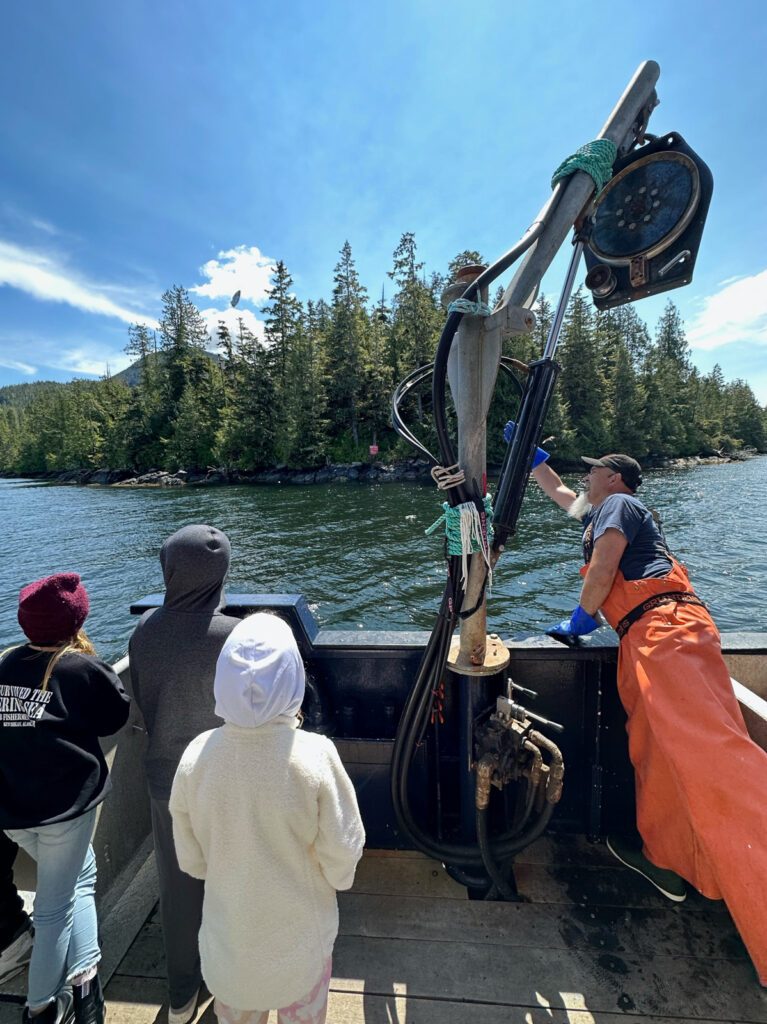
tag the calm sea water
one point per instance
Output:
(358, 553)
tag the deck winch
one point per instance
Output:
(638, 205)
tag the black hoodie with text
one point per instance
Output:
(51, 765)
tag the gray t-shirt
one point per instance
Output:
(647, 554)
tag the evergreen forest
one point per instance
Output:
(318, 387)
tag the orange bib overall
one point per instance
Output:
(701, 782)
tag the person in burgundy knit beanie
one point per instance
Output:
(53, 609)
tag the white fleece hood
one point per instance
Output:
(259, 673)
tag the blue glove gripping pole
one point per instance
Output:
(508, 432)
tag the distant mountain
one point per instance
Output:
(20, 395)
(131, 375)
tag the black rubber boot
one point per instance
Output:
(60, 1011)
(89, 1002)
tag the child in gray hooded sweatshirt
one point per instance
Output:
(173, 654)
(268, 817)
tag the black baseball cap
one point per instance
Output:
(629, 469)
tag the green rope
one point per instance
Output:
(467, 306)
(595, 158)
(451, 517)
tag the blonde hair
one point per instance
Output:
(79, 644)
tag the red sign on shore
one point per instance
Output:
(374, 449)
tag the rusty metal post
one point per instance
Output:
(474, 657)
(472, 369)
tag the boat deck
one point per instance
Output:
(595, 945)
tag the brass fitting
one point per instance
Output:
(485, 770)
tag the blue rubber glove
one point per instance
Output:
(508, 433)
(568, 630)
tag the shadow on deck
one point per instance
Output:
(595, 945)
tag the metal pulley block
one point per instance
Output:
(645, 230)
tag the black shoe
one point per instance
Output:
(667, 882)
(60, 1011)
(89, 1002)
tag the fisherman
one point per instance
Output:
(173, 653)
(700, 779)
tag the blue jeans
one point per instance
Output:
(66, 931)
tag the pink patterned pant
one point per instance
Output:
(312, 1009)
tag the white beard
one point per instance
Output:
(581, 506)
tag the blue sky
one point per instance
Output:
(150, 144)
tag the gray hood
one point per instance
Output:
(195, 561)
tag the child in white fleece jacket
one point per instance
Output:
(268, 817)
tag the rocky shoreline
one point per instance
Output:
(354, 472)
(408, 470)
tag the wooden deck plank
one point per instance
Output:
(406, 876)
(668, 930)
(686, 985)
(598, 946)
(146, 956)
(670, 986)
(125, 1007)
(364, 1008)
(597, 883)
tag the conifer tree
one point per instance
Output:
(670, 388)
(146, 418)
(380, 385)
(744, 420)
(581, 384)
(417, 317)
(346, 346)
(308, 400)
(283, 317)
(183, 336)
(246, 436)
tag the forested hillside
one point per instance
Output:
(320, 386)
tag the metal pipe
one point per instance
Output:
(618, 128)
(564, 298)
(472, 370)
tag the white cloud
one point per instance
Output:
(13, 364)
(43, 278)
(92, 361)
(243, 270)
(231, 318)
(76, 355)
(43, 225)
(737, 312)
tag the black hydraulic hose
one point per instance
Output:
(507, 365)
(493, 869)
(403, 388)
(519, 842)
(415, 714)
(414, 720)
(457, 495)
(464, 877)
(418, 377)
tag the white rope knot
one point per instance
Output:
(447, 477)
